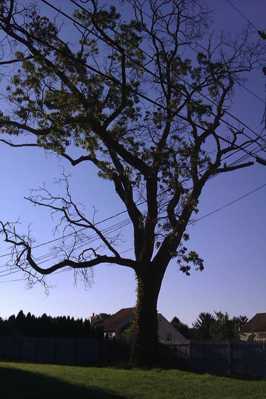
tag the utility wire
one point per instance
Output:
(96, 224)
(237, 82)
(228, 204)
(253, 151)
(154, 75)
(125, 211)
(221, 208)
(54, 274)
(114, 216)
(49, 257)
(77, 231)
(242, 15)
(251, 92)
(204, 96)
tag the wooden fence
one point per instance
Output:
(239, 359)
(75, 351)
(50, 350)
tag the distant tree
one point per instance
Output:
(46, 326)
(223, 328)
(20, 323)
(218, 326)
(240, 321)
(123, 93)
(203, 326)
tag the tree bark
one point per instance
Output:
(145, 345)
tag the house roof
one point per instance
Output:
(124, 317)
(119, 320)
(256, 324)
(166, 327)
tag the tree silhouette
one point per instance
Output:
(218, 326)
(47, 326)
(127, 96)
(203, 326)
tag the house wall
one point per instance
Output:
(110, 335)
(259, 336)
(167, 333)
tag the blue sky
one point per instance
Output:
(232, 242)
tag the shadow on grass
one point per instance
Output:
(241, 377)
(16, 383)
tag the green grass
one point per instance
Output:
(28, 381)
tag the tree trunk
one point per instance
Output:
(145, 346)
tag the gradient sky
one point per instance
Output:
(232, 242)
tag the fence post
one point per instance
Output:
(55, 349)
(229, 351)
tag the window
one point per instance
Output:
(169, 337)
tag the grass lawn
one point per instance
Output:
(28, 381)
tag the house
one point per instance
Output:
(116, 324)
(255, 329)
(97, 319)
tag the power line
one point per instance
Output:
(49, 257)
(73, 233)
(84, 228)
(54, 274)
(154, 75)
(248, 90)
(242, 15)
(246, 156)
(206, 97)
(125, 211)
(251, 92)
(227, 205)
(96, 224)
(110, 230)
(201, 94)
(228, 112)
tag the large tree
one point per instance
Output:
(143, 108)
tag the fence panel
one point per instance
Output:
(87, 351)
(50, 350)
(210, 358)
(45, 350)
(249, 359)
(239, 359)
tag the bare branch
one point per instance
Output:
(20, 144)
(26, 250)
(15, 60)
(235, 167)
(71, 213)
